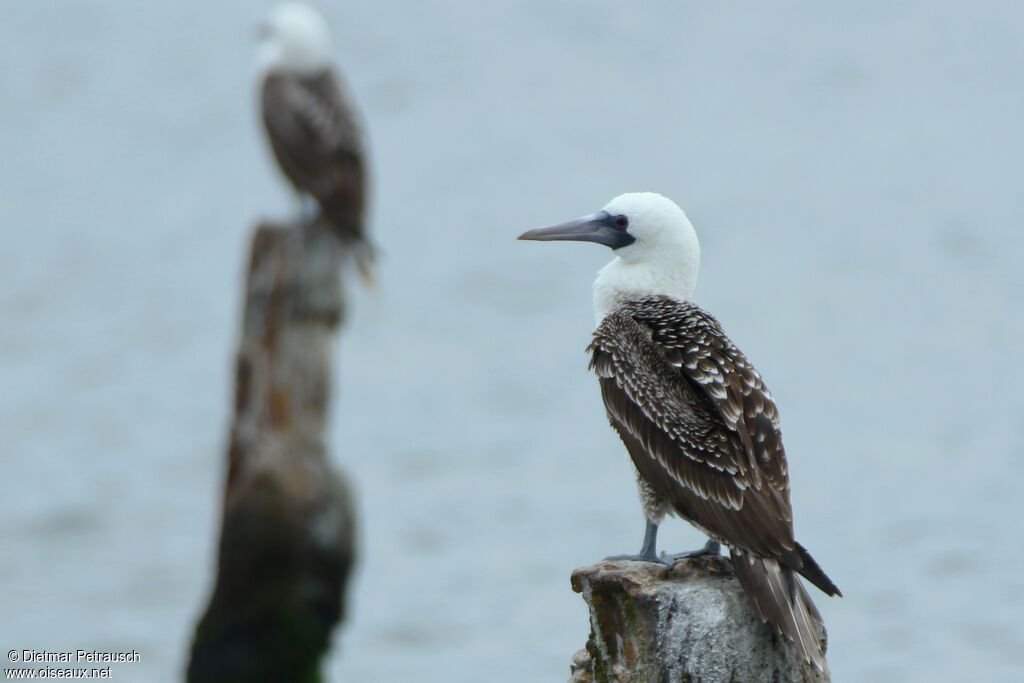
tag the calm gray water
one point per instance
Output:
(854, 172)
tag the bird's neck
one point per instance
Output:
(622, 281)
(292, 60)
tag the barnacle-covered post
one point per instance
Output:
(689, 624)
(287, 536)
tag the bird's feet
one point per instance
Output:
(710, 548)
(642, 557)
(648, 551)
(309, 210)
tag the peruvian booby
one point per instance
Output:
(312, 123)
(695, 416)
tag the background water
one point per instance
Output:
(854, 172)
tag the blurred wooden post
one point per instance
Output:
(688, 624)
(287, 536)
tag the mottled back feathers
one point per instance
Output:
(314, 133)
(700, 425)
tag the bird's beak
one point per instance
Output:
(598, 227)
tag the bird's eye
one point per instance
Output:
(622, 222)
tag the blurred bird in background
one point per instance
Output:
(313, 126)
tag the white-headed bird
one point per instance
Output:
(695, 416)
(313, 125)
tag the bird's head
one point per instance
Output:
(638, 226)
(295, 38)
(655, 244)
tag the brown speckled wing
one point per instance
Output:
(314, 132)
(698, 422)
(703, 431)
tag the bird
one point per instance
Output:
(313, 126)
(696, 418)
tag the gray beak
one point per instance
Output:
(600, 227)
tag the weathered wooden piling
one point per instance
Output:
(287, 536)
(688, 624)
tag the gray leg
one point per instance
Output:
(712, 547)
(649, 552)
(309, 210)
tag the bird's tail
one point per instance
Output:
(358, 248)
(780, 599)
(364, 253)
(810, 570)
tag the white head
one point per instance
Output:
(295, 38)
(655, 245)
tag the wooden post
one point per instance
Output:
(287, 536)
(688, 624)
